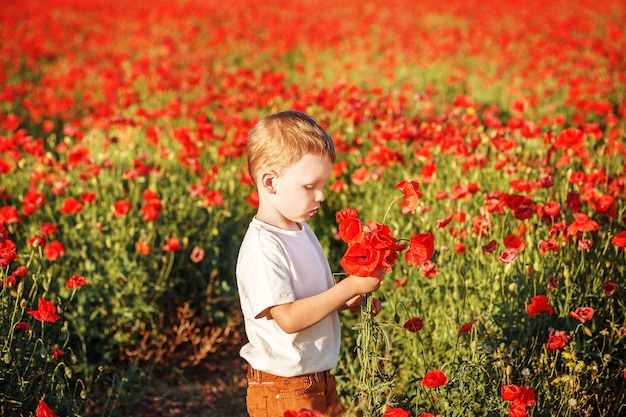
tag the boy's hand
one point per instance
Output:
(354, 305)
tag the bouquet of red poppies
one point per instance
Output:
(372, 246)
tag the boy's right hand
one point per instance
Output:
(364, 285)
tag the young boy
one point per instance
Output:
(288, 297)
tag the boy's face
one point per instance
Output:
(298, 191)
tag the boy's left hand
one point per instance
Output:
(355, 305)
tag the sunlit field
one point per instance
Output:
(124, 195)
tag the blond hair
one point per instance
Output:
(279, 140)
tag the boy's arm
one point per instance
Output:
(301, 314)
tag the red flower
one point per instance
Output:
(197, 254)
(619, 239)
(8, 215)
(8, 252)
(36, 241)
(549, 245)
(360, 259)
(524, 395)
(414, 325)
(429, 269)
(71, 205)
(434, 379)
(412, 195)
(508, 256)
(581, 223)
(44, 411)
(304, 412)
(557, 340)
(172, 245)
(48, 228)
(46, 311)
(421, 248)
(396, 412)
(75, 281)
(57, 353)
(582, 314)
(142, 247)
(53, 250)
(151, 209)
(121, 208)
(538, 305)
(465, 328)
(512, 241)
(609, 288)
(20, 271)
(350, 227)
(213, 198)
(23, 326)
(489, 247)
(570, 138)
(88, 197)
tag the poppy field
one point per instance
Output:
(483, 142)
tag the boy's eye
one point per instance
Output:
(308, 187)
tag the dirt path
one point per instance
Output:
(215, 389)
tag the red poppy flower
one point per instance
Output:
(20, 271)
(521, 394)
(360, 259)
(121, 208)
(71, 205)
(36, 241)
(23, 326)
(57, 353)
(396, 412)
(570, 138)
(512, 241)
(429, 269)
(609, 288)
(253, 199)
(582, 223)
(465, 328)
(8, 215)
(142, 247)
(44, 411)
(557, 340)
(172, 245)
(434, 379)
(421, 248)
(151, 209)
(549, 245)
(538, 305)
(88, 197)
(489, 247)
(414, 325)
(360, 176)
(75, 281)
(213, 198)
(350, 227)
(8, 252)
(303, 412)
(412, 195)
(619, 239)
(508, 256)
(582, 314)
(45, 312)
(53, 250)
(48, 228)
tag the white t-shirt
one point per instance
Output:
(277, 266)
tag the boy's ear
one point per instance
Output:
(268, 181)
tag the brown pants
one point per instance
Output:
(270, 395)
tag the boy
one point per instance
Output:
(288, 297)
